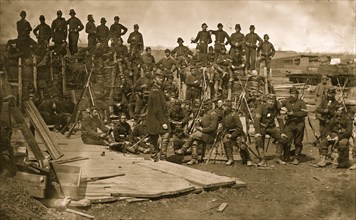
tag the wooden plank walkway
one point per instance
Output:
(142, 179)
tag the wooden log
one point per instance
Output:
(35, 73)
(20, 81)
(64, 77)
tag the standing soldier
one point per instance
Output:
(220, 37)
(251, 40)
(264, 123)
(24, 40)
(102, 32)
(157, 119)
(74, 27)
(117, 29)
(320, 90)
(181, 50)
(267, 52)
(233, 133)
(326, 111)
(193, 82)
(91, 30)
(338, 133)
(167, 64)
(237, 41)
(294, 126)
(135, 40)
(43, 32)
(203, 39)
(148, 60)
(59, 29)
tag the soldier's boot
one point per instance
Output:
(298, 151)
(322, 161)
(194, 159)
(278, 156)
(183, 149)
(143, 150)
(164, 146)
(154, 156)
(262, 162)
(335, 156)
(229, 154)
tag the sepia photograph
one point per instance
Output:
(177, 109)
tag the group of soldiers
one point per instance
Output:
(149, 93)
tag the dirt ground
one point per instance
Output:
(283, 192)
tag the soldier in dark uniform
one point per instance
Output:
(24, 41)
(122, 57)
(148, 60)
(57, 50)
(204, 133)
(338, 133)
(74, 27)
(91, 30)
(43, 32)
(237, 41)
(157, 122)
(233, 133)
(139, 133)
(102, 32)
(326, 111)
(167, 64)
(294, 126)
(59, 29)
(199, 59)
(181, 51)
(178, 118)
(122, 132)
(220, 37)
(52, 112)
(90, 134)
(193, 82)
(117, 30)
(142, 88)
(264, 123)
(202, 39)
(136, 40)
(251, 40)
(222, 64)
(267, 52)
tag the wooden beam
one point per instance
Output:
(42, 129)
(20, 81)
(30, 139)
(35, 73)
(64, 78)
(80, 213)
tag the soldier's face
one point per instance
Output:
(159, 80)
(123, 118)
(168, 54)
(293, 95)
(95, 113)
(339, 111)
(148, 51)
(270, 103)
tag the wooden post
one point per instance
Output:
(20, 81)
(51, 65)
(64, 78)
(35, 73)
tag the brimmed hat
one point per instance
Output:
(293, 90)
(180, 40)
(102, 20)
(72, 12)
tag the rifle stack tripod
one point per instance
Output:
(74, 119)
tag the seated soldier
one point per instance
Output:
(90, 134)
(139, 135)
(52, 112)
(338, 133)
(233, 133)
(205, 131)
(122, 130)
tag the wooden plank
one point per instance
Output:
(80, 213)
(69, 178)
(32, 179)
(222, 207)
(70, 160)
(26, 132)
(42, 129)
(20, 81)
(201, 178)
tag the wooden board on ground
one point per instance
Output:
(142, 179)
(201, 178)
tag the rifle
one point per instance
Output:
(190, 129)
(75, 114)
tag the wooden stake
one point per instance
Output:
(35, 73)
(20, 82)
(64, 77)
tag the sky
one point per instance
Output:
(302, 26)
